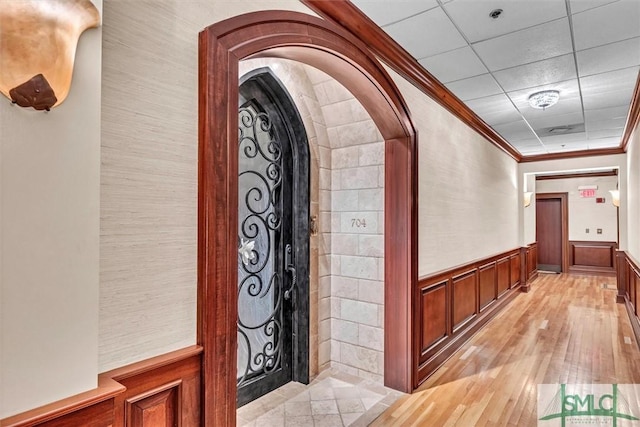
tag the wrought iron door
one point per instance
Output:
(268, 228)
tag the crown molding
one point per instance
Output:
(612, 172)
(572, 154)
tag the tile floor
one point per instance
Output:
(333, 399)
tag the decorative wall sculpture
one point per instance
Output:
(38, 40)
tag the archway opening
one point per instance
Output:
(322, 45)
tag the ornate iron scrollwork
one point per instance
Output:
(260, 314)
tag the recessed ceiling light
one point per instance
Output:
(495, 13)
(544, 99)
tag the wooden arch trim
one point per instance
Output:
(324, 45)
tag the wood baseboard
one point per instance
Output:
(163, 391)
(592, 271)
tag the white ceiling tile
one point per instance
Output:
(426, 34)
(578, 6)
(524, 143)
(624, 79)
(566, 147)
(619, 112)
(475, 87)
(495, 109)
(515, 131)
(610, 23)
(605, 133)
(609, 57)
(537, 73)
(597, 125)
(454, 65)
(553, 120)
(604, 143)
(564, 139)
(531, 151)
(522, 47)
(527, 143)
(606, 99)
(472, 16)
(387, 12)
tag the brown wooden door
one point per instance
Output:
(549, 233)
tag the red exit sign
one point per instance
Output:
(588, 193)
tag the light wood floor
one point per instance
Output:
(568, 329)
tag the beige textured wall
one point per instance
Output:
(468, 191)
(632, 207)
(585, 213)
(149, 172)
(49, 230)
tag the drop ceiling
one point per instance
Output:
(587, 50)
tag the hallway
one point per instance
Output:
(568, 329)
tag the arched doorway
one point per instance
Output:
(273, 227)
(322, 45)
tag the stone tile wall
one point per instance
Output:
(351, 322)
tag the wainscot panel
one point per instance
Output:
(628, 278)
(454, 304)
(530, 265)
(158, 392)
(592, 257)
(488, 285)
(465, 295)
(434, 321)
(162, 391)
(515, 269)
(503, 279)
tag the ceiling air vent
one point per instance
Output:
(560, 130)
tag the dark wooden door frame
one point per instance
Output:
(564, 208)
(325, 46)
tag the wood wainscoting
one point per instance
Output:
(530, 262)
(163, 391)
(628, 278)
(453, 305)
(598, 258)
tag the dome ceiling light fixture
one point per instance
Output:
(544, 99)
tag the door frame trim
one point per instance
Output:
(564, 214)
(326, 46)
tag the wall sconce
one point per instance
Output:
(615, 197)
(38, 49)
(527, 198)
